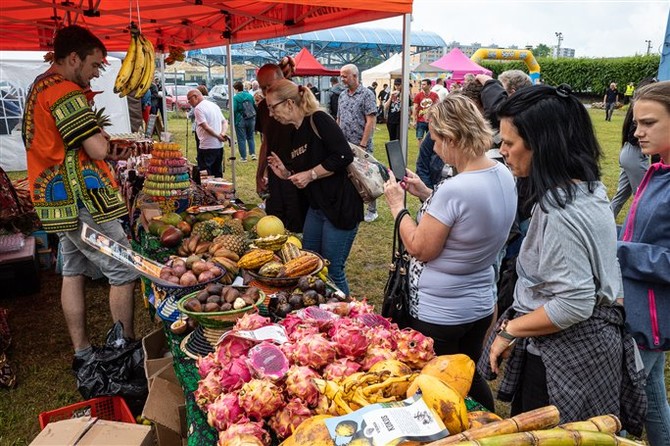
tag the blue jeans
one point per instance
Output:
(421, 130)
(658, 410)
(334, 244)
(244, 128)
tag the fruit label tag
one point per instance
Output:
(383, 424)
(275, 333)
(123, 254)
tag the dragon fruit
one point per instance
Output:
(314, 351)
(357, 308)
(376, 354)
(268, 361)
(244, 429)
(349, 338)
(285, 422)
(340, 368)
(303, 329)
(326, 407)
(234, 373)
(260, 398)
(373, 320)
(383, 337)
(251, 321)
(209, 389)
(299, 383)
(414, 349)
(241, 440)
(322, 318)
(206, 364)
(224, 412)
(290, 322)
(232, 347)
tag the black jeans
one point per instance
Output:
(532, 392)
(211, 160)
(394, 131)
(467, 339)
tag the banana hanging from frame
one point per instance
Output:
(149, 67)
(138, 70)
(127, 65)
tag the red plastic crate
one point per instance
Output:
(111, 408)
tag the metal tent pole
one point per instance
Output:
(404, 106)
(231, 120)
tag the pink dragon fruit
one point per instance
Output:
(244, 429)
(234, 373)
(299, 384)
(303, 329)
(357, 308)
(268, 361)
(251, 321)
(383, 337)
(290, 321)
(374, 355)
(414, 349)
(349, 338)
(206, 364)
(260, 398)
(209, 389)
(340, 368)
(314, 351)
(373, 320)
(232, 347)
(224, 412)
(322, 318)
(289, 418)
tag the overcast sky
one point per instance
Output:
(591, 28)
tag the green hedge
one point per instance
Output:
(586, 75)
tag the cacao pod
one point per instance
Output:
(301, 266)
(289, 252)
(255, 258)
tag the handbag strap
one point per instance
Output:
(311, 122)
(397, 241)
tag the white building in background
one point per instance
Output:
(562, 52)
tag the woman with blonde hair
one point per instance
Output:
(460, 229)
(644, 256)
(317, 163)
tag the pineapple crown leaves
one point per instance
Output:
(101, 118)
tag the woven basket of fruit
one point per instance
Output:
(287, 274)
(218, 306)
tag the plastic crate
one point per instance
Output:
(111, 408)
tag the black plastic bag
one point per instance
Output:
(115, 369)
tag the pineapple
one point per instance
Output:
(233, 226)
(234, 242)
(208, 230)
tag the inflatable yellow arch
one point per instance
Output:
(510, 54)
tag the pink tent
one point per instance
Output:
(459, 64)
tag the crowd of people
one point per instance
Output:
(515, 253)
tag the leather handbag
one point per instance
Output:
(396, 291)
(366, 173)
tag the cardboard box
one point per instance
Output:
(101, 432)
(156, 352)
(166, 407)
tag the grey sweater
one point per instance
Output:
(568, 260)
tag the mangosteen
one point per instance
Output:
(304, 284)
(328, 293)
(295, 301)
(321, 298)
(281, 299)
(309, 298)
(319, 286)
(283, 310)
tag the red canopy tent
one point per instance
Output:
(30, 24)
(459, 64)
(307, 65)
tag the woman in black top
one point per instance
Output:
(317, 163)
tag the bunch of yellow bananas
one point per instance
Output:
(137, 69)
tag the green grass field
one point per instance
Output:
(41, 347)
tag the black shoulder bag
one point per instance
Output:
(396, 292)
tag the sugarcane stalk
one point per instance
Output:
(542, 418)
(603, 423)
(551, 437)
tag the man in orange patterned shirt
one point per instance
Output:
(71, 184)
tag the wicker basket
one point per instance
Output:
(219, 319)
(285, 282)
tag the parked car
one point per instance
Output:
(175, 97)
(219, 95)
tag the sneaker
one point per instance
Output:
(253, 157)
(243, 160)
(370, 216)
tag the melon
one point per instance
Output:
(269, 225)
(295, 240)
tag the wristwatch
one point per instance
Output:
(502, 331)
(314, 174)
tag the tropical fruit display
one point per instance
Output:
(137, 69)
(168, 171)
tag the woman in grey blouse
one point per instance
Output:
(564, 334)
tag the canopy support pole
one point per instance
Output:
(163, 109)
(404, 106)
(231, 120)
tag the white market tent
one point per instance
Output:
(382, 73)
(18, 69)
